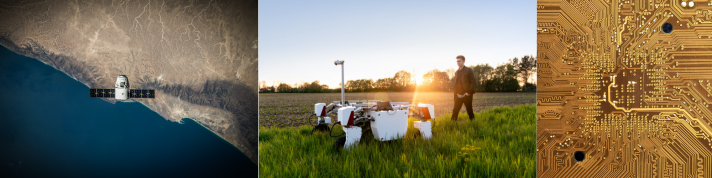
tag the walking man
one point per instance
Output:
(464, 88)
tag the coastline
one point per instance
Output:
(37, 52)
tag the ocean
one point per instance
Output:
(50, 127)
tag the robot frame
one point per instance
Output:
(387, 120)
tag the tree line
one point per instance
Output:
(510, 76)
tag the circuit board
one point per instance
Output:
(624, 88)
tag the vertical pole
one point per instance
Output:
(342, 83)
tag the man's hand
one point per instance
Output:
(466, 94)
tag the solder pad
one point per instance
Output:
(632, 99)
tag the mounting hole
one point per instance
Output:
(579, 156)
(667, 28)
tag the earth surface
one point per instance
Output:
(199, 56)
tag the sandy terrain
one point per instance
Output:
(200, 57)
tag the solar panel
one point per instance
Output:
(107, 93)
(102, 93)
(111, 93)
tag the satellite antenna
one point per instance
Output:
(121, 91)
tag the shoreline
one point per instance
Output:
(14, 48)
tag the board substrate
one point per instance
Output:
(621, 94)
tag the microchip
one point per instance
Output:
(624, 88)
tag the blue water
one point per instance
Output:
(50, 127)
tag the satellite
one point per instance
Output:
(122, 91)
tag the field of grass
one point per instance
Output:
(499, 142)
(294, 109)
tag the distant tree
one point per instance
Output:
(402, 80)
(504, 79)
(533, 73)
(315, 87)
(529, 87)
(360, 85)
(269, 89)
(366, 85)
(351, 85)
(284, 88)
(525, 67)
(436, 80)
(263, 84)
(303, 88)
(450, 72)
(384, 84)
(483, 73)
(492, 84)
(263, 88)
(510, 85)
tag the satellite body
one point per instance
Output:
(122, 88)
(122, 91)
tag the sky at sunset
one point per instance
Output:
(299, 41)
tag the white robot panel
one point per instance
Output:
(389, 125)
(346, 116)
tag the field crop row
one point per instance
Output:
(294, 109)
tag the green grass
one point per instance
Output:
(499, 142)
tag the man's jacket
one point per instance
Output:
(464, 81)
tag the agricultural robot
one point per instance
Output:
(386, 120)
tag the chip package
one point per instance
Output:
(624, 88)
